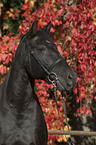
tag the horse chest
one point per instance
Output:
(16, 125)
(23, 127)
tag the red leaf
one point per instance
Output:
(75, 91)
(61, 11)
(3, 69)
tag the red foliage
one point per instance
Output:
(8, 47)
(74, 28)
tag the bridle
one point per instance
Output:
(46, 70)
(49, 73)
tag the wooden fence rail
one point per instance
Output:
(76, 133)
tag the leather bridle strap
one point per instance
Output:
(55, 63)
(30, 52)
(64, 108)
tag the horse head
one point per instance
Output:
(45, 61)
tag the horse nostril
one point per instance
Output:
(70, 77)
(69, 80)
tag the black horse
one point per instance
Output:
(21, 117)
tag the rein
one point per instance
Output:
(64, 108)
(53, 82)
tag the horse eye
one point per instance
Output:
(41, 48)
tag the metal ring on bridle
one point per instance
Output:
(54, 80)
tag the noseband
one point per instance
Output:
(52, 81)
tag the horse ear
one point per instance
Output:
(33, 28)
(47, 27)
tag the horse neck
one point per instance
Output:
(20, 86)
